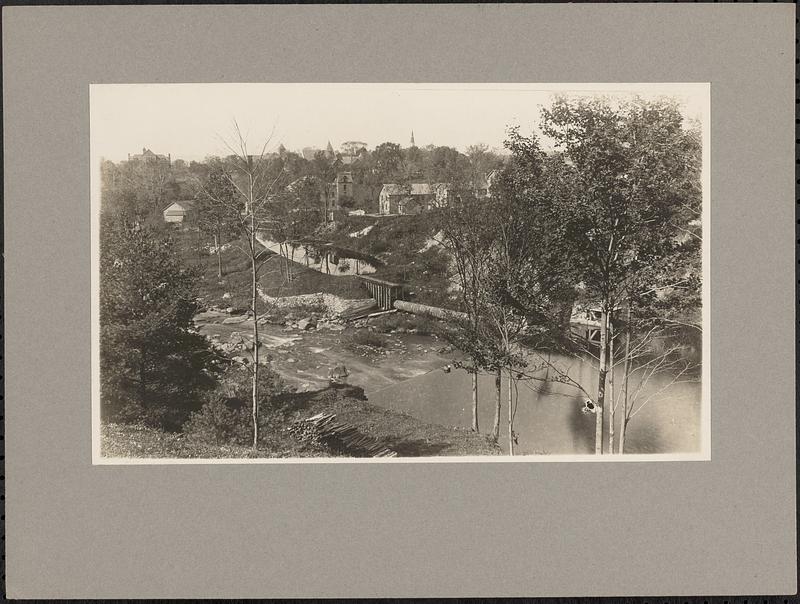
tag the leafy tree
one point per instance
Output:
(153, 366)
(217, 209)
(629, 170)
(387, 161)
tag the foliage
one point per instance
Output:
(217, 205)
(152, 363)
(403, 321)
(629, 171)
(226, 418)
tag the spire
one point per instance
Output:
(329, 151)
(412, 139)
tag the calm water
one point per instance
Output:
(550, 420)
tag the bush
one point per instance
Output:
(217, 423)
(226, 417)
(404, 321)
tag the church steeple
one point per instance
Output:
(412, 139)
(329, 151)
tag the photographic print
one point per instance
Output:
(341, 273)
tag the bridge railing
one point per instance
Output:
(383, 292)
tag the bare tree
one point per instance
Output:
(252, 206)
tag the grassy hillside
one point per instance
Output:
(403, 243)
(236, 274)
(404, 434)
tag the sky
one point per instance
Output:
(193, 121)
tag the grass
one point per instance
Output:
(137, 441)
(408, 436)
(395, 241)
(236, 278)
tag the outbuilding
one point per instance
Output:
(179, 211)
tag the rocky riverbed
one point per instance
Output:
(304, 348)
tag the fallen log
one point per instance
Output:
(429, 311)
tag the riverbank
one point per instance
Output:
(403, 434)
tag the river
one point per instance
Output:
(550, 421)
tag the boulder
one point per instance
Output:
(234, 320)
(226, 296)
(306, 324)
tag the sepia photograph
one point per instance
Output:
(339, 273)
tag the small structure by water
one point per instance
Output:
(384, 292)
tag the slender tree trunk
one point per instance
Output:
(254, 300)
(219, 256)
(624, 425)
(510, 414)
(475, 401)
(611, 403)
(143, 379)
(601, 383)
(497, 384)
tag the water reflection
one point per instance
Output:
(549, 417)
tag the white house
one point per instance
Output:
(179, 211)
(412, 198)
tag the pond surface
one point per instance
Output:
(549, 417)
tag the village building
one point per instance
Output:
(350, 151)
(147, 156)
(345, 192)
(413, 198)
(483, 185)
(180, 211)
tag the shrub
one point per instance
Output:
(421, 325)
(217, 423)
(226, 415)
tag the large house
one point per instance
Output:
(413, 198)
(147, 156)
(345, 191)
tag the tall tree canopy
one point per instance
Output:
(153, 365)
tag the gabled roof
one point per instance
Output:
(416, 188)
(184, 204)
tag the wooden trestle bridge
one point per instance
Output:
(383, 292)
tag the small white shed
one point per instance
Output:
(179, 211)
